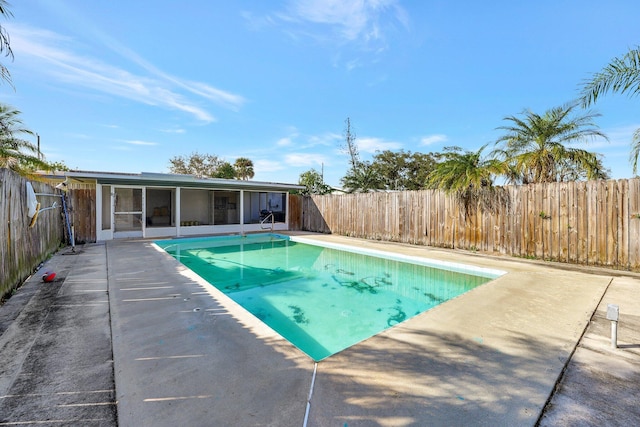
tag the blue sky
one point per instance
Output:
(126, 85)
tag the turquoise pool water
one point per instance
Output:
(321, 299)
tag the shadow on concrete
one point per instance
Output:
(56, 364)
(423, 378)
(600, 384)
(182, 358)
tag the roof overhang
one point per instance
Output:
(175, 180)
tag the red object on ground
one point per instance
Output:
(48, 277)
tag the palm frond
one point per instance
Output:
(635, 151)
(621, 75)
(535, 150)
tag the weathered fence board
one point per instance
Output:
(24, 247)
(294, 212)
(592, 223)
(623, 224)
(634, 224)
(82, 212)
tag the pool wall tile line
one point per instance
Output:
(462, 268)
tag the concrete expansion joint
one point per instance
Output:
(308, 406)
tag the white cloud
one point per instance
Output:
(361, 23)
(284, 142)
(304, 159)
(53, 54)
(78, 135)
(302, 141)
(326, 139)
(221, 97)
(265, 166)
(433, 139)
(136, 142)
(371, 145)
(353, 19)
(353, 64)
(619, 137)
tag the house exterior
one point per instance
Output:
(154, 205)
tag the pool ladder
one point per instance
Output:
(265, 219)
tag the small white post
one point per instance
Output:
(613, 314)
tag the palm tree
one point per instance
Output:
(15, 153)
(469, 176)
(244, 168)
(621, 75)
(4, 42)
(361, 178)
(535, 150)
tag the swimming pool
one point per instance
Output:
(322, 299)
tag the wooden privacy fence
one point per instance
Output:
(590, 223)
(24, 247)
(82, 212)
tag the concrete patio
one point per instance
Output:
(127, 336)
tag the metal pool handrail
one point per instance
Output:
(270, 215)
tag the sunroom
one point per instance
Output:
(169, 205)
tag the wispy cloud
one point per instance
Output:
(618, 137)
(327, 139)
(60, 57)
(266, 166)
(371, 145)
(179, 130)
(433, 139)
(352, 20)
(136, 142)
(305, 159)
(621, 136)
(361, 24)
(303, 141)
(284, 142)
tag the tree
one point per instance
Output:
(58, 166)
(535, 150)
(360, 176)
(4, 41)
(402, 170)
(363, 179)
(243, 168)
(621, 75)
(200, 165)
(225, 170)
(419, 167)
(313, 183)
(469, 176)
(16, 153)
(391, 167)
